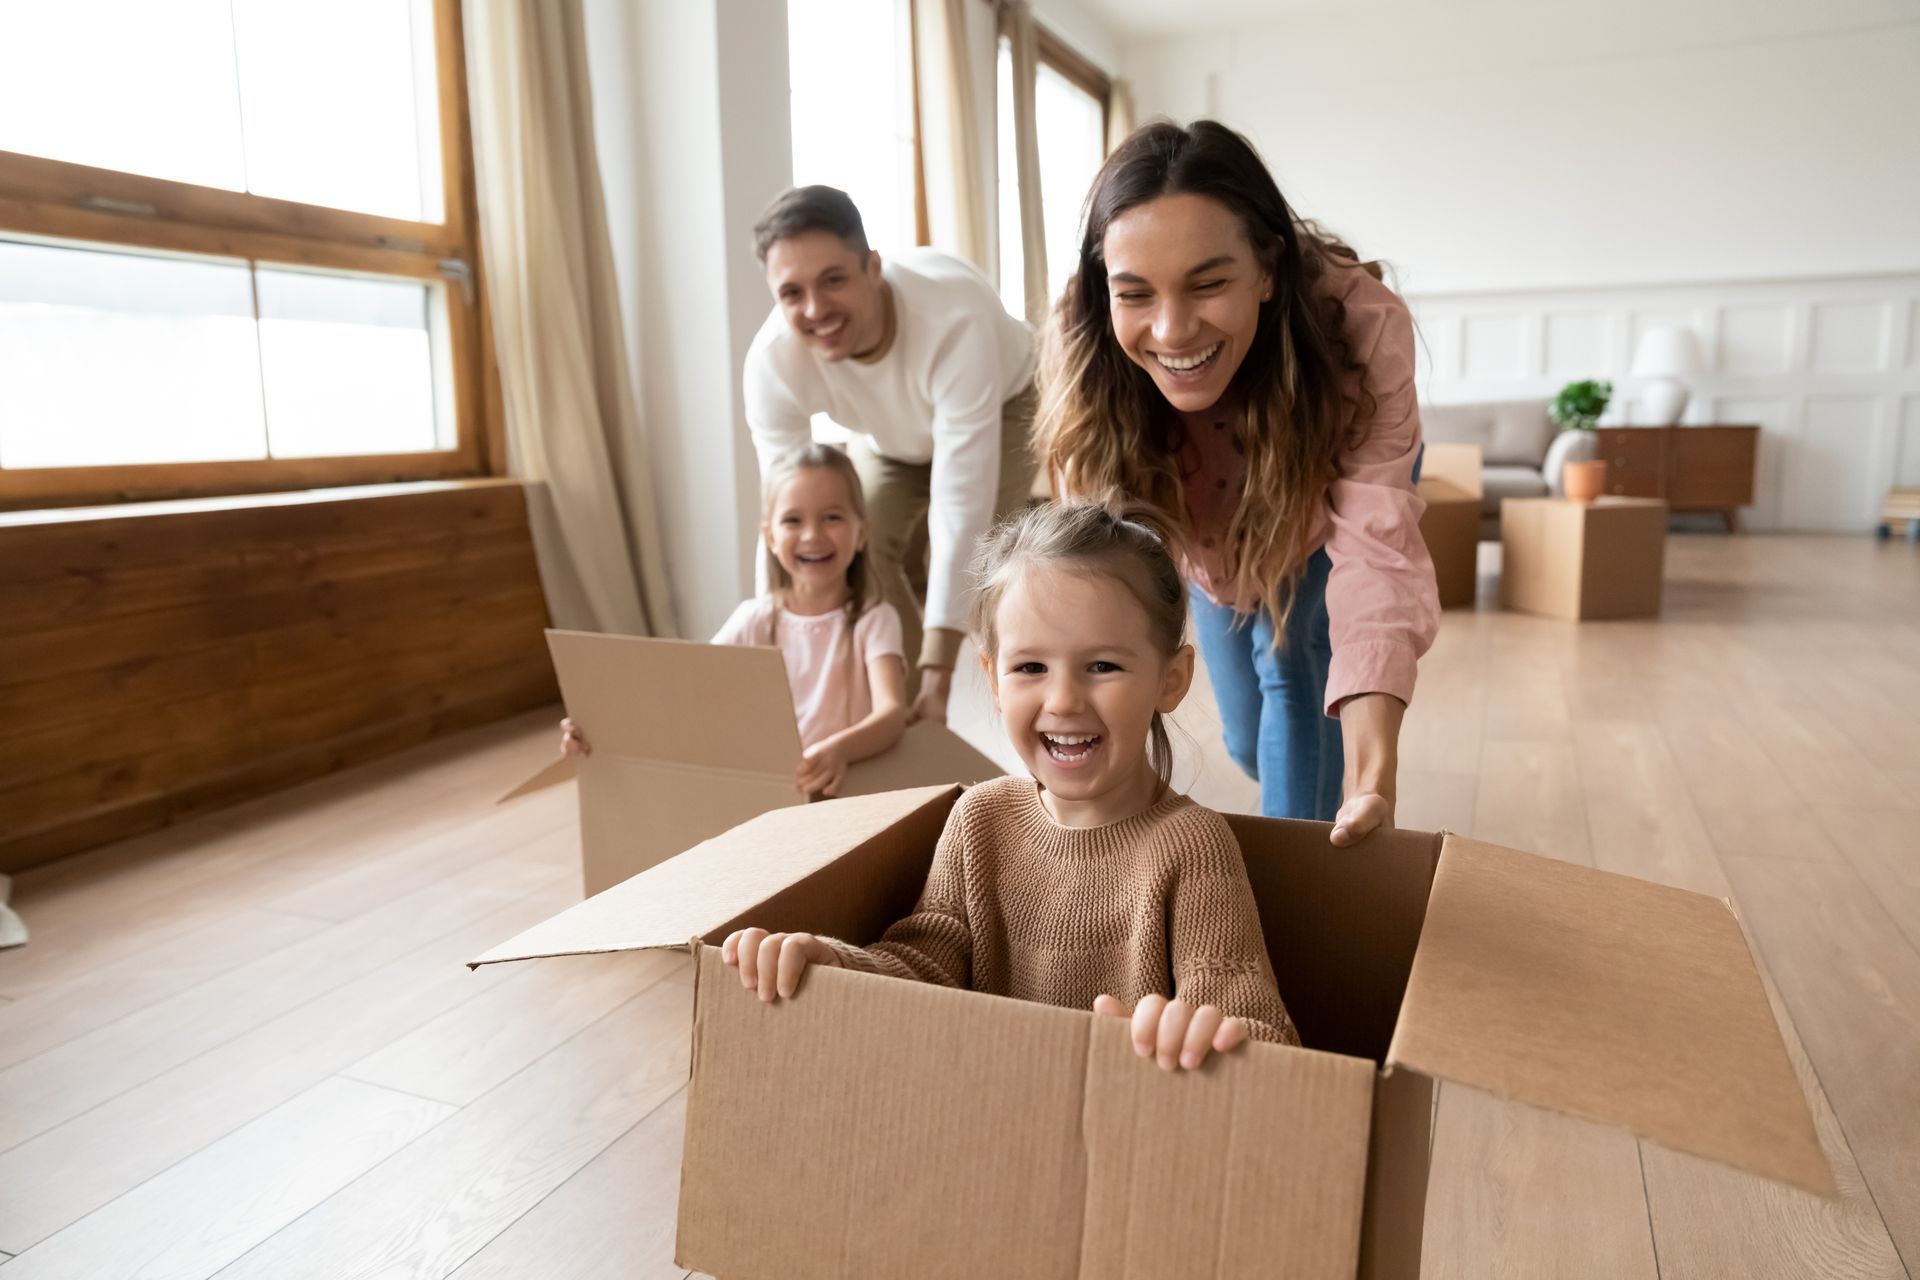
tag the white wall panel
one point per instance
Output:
(1756, 340)
(1848, 337)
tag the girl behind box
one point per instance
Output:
(1092, 883)
(841, 644)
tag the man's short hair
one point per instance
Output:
(798, 210)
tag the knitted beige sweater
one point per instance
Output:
(1018, 905)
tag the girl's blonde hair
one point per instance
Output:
(861, 588)
(1103, 428)
(1095, 540)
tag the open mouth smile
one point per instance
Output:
(1194, 366)
(1070, 749)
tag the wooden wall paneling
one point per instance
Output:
(168, 658)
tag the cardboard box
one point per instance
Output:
(1451, 527)
(692, 739)
(916, 1130)
(1451, 486)
(1576, 560)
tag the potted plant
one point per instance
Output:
(1577, 408)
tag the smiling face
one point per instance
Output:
(814, 531)
(1078, 678)
(1184, 290)
(831, 298)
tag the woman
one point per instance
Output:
(1233, 367)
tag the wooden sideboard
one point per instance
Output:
(1707, 468)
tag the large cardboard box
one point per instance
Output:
(1576, 560)
(1451, 486)
(692, 739)
(878, 1127)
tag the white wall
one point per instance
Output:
(1499, 147)
(691, 127)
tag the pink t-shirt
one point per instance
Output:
(1383, 608)
(830, 692)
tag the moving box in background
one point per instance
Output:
(1451, 487)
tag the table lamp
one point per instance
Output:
(1665, 355)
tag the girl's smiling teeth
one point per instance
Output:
(1070, 748)
(820, 557)
(1189, 365)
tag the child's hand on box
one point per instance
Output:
(572, 741)
(1174, 1032)
(823, 767)
(771, 963)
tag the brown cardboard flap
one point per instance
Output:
(872, 1127)
(705, 705)
(1608, 998)
(635, 814)
(769, 868)
(557, 772)
(929, 753)
(1253, 1166)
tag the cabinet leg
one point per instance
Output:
(1732, 516)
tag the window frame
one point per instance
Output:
(1080, 70)
(59, 200)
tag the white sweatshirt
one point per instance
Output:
(956, 357)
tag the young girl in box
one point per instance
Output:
(1093, 883)
(841, 643)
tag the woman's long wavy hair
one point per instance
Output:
(1104, 431)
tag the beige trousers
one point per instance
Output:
(897, 498)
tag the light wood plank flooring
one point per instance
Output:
(247, 1046)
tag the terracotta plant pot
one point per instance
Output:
(1584, 481)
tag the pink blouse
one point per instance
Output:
(1383, 608)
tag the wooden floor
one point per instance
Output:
(248, 1046)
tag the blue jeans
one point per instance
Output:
(1273, 705)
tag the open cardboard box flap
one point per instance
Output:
(782, 870)
(1609, 998)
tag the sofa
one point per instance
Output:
(1522, 448)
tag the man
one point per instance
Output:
(920, 360)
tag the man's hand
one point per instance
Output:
(931, 703)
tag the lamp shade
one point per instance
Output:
(1666, 352)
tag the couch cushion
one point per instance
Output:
(1509, 482)
(1516, 432)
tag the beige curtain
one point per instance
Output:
(952, 150)
(573, 432)
(1023, 40)
(1119, 114)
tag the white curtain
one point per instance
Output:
(573, 432)
(1023, 40)
(952, 140)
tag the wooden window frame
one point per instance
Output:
(1070, 63)
(59, 200)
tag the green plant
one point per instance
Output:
(1580, 404)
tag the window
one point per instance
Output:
(1070, 117)
(850, 67)
(236, 249)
